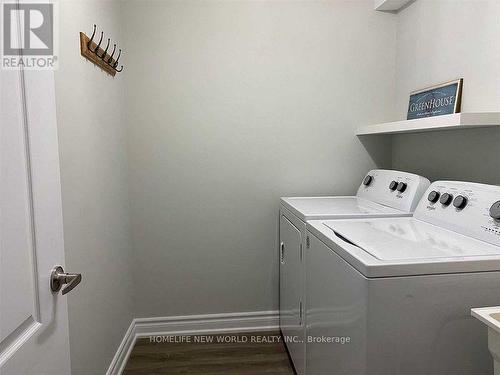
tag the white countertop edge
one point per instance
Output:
(484, 315)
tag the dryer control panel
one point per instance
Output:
(467, 208)
(399, 190)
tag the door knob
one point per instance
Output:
(58, 278)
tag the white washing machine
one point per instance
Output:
(383, 193)
(393, 295)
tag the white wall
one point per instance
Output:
(440, 41)
(229, 106)
(92, 144)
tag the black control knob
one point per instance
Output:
(446, 199)
(401, 187)
(433, 196)
(460, 202)
(495, 210)
(393, 185)
(368, 180)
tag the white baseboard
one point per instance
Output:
(191, 325)
(121, 356)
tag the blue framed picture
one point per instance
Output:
(442, 99)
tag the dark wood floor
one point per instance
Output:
(244, 357)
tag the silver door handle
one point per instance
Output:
(282, 253)
(58, 278)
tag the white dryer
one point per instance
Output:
(393, 295)
(382, 193)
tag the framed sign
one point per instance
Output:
(443, 99)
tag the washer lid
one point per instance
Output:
(342, 207)
(403, 239)
(384, 247)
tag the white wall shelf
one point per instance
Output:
(390, 5)
(446, 122)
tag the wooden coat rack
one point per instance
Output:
(93, 52)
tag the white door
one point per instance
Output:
(33, 319)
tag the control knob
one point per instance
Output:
(402, 187)
(495, 210)
(433, 196)
(460, 202)
(368, 180)
(446, 199)
(393, 185)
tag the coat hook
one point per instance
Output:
(91, 38)
(119, 70)
(97, 48)
(112, 53)
(105, 51)
(117, 59)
